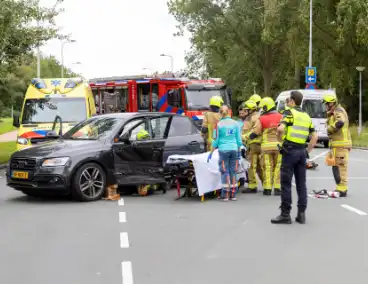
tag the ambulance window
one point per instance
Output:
(174, 98)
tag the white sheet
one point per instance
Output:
(208, 175)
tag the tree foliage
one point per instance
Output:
(265, 43)
(19, 35)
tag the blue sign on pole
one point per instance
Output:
(310, 75)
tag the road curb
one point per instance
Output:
(360, 148)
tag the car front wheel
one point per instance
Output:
(89, 182)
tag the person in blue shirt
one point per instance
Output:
(227, 139)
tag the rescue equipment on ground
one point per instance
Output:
(111, 192)
(324, 194)
(311, 165)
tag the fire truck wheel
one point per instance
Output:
(89, 182)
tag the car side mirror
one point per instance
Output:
(16, 120)
(125, 138)
(52, 135)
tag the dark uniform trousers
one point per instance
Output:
(293, 163)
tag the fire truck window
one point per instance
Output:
(154, 97)
(174, 98)
(158, 127)
(143, 97)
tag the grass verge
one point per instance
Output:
(359, 141)
(6, 149)
(6, 125)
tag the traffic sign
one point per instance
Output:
(311, 86)
(310, 75)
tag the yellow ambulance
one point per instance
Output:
(70, 99)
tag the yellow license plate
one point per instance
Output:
(20, 175)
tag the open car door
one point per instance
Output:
(140, 161)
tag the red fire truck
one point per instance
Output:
(139, 93)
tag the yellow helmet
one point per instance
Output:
(216, 101)
(329, 98)
(255, 98)
(142, 135)
(267, 104)
(251, 105)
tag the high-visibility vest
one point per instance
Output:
(299, 132)
(270, 122)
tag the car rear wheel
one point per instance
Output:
(89, 182)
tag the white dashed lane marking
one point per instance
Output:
(127, 273)
(122, 217)
(353, 209)
(121, 202)
(124, 241)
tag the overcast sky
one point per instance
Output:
(117, 37)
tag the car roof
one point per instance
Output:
(307, 94)
(127, 115)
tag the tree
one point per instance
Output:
(266, 42)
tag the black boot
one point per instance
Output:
(277, 191)
(283, 218)
(342, 193)
(300, 218)
(250, 190)
(267, 192)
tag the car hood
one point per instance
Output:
(59, 148)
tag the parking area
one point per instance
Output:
(158, 239)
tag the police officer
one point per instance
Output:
(266, 126)
(210, 120)
(340, 140)
(253, 145)
(298, 127)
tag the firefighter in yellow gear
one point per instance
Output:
(340, 141)
(253, 146)
(266, 126)
(210, 120)
(257, 99)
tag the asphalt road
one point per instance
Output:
(157, 240)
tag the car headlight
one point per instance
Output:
(55, 162)
(22, 141)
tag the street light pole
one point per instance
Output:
(360, 70)
(310, 31)
(62, 55)
(38, 55)
(172, 62)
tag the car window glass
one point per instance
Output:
(159, 126)
(181, 126)
(138, 126)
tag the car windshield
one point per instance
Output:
(314, 107)
(200, 99)
(45, 110)
(93, 129)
